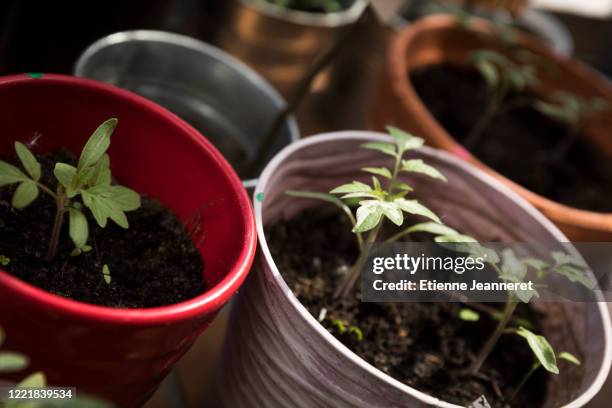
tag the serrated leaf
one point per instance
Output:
(535, 263)
(65, 174)
(416, 208)
(562, 258)
(433, 228)
(469, 315)
(28, 160)
(36, 380)
(368, 217)
(418, 166)
(97, 144)
(10, 174)
(541, 349)
(78, 228)
(354, 187)
(391, 211)
(11, 362)
(101, 201)
(381, 171)
(386, 148)
(575, 274)
(405, 141)
(25, 194)
(512, 266)
(564, 355)
(125, 198)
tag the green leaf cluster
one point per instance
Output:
(90, 181)
(570, 108)
(502, 74)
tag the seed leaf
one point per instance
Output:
(28, 160)
(10, 174)
(11, 362)
(469, 315)
(416, 208)
(432, 228)
(541, 348)
(25, 194)
(564, 355)
(106, 274)
(418, 166)
(97, 144)
(78, 228)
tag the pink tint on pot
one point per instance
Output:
(278, 355)
(123, 354)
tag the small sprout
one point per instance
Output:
(106, 274)
(339, 324)
(469, 315)
(357, 332)
(90, 180)
(564, 355)
(4, 260)
(11, 362)
(541, 349)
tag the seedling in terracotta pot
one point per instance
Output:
(90, 180)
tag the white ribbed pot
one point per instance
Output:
(278, 355)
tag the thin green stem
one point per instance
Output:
(61, 201)
(526, 377)
(492, 341)
(47, 190)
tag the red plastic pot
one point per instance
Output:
(123, 354)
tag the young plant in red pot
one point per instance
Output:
(117, 252)
(304, 335)
(469, 90)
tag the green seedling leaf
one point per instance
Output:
(541, 349)
(65, 174)
(390, 210)
(512, 266)
(28, 161)
(368, 217)
(489, 73)
(354, 187)
(11, 362)
(416, 208)
(562, 258)
(78, 228)
(381, 171)
(564, 355)
(418, 166)
(10, 174)
(575, 274)
(469, 315)
(106, 274)
(4, 261)
(97, 145)
(101, 174)
(405, 141)
(339, 325)
(535, 263)
(454, 239)
(357, 332)
(25, 194)
(386, 148)
(126, 199)
(36, 380)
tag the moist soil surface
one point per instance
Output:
(424, 345)
(153, 263)
(518, 143)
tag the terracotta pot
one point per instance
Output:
(279, 355)
(123, 354)
(438, 39)
(282, 44)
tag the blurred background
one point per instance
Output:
(39, 36)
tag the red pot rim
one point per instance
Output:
(203, 304)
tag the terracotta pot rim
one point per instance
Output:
(344, 350)
(328, 20)
(203, 304)
(398, 69)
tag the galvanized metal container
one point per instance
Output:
(223, 99)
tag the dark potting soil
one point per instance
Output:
(518, 143)
(424, 345)
(153, 263)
